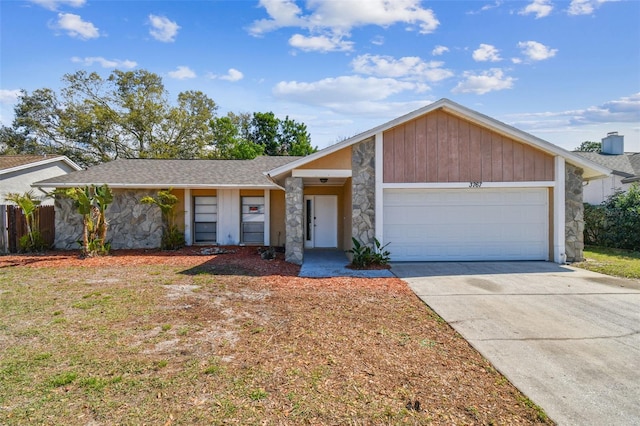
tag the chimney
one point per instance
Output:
(613, 144)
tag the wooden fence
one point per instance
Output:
(14, 226)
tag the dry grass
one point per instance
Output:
(231, 339)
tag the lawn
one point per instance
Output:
(152, 338)
(610, 261)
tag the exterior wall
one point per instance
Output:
(363, 190)
(228, 217)
(598, 190)
(574, 214)
(294, 221)
(276, 225)
(440, 147)
(347, 214)
(180, 208)
(131, 223)
(20, 181)
(339, 160)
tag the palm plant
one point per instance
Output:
(29, 206)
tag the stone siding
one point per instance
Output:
(294, 220)
(363, 160)
(132, 225)
(574, 214)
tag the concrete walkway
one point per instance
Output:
(569, 339)
(328, 263)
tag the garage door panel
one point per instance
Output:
(484, 224)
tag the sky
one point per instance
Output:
(564, 71)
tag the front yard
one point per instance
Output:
(611, 261)
(197, 338)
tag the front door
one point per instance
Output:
(321, 221)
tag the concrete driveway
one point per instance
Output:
(569, 339)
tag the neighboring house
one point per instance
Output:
(443, 183)
(18, 172)
(625, 166)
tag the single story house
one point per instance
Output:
(625, 168)
(18, 172)
(443, 183)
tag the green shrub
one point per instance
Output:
(172, 238)
(594, 220)
(32, 242)
(365, 256)
(615, 223)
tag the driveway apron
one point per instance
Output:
(569, 339)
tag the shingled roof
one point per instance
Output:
(148, 173)
(626, 165)
(9, 163)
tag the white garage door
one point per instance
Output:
(467, 224)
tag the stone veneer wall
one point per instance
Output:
(294, 220)
(131, 224)
(363, 164)
(574, 214)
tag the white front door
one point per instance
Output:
(321, 221)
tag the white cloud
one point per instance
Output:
(339, 17)
(320, 43)
(231, 75)
(439, 50)
(408, 67)
(76, 27)
(378, 40)
(585, 7)
(540, 8)
(590, 123)
(182, 73)
(486, 7)
(163, 29)
(535, 51)
(343, 89)
(53, 4)
(486, 53)
(623, 110)
(9, 96)
(104, 63)
(485, 82)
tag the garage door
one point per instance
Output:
(467, 224)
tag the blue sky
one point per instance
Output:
(565, 71)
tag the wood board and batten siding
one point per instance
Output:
(440, 147)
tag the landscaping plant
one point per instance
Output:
(365, 256)
(33, 240)
(91, 202)
(616, 222)
(172, 236)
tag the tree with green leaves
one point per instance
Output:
(229, 144)
(33, 241)
(589, 146)
(280, 137)
(127, 115)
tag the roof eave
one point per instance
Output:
(154, 185)
(62, 158)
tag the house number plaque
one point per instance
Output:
(475, 184)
